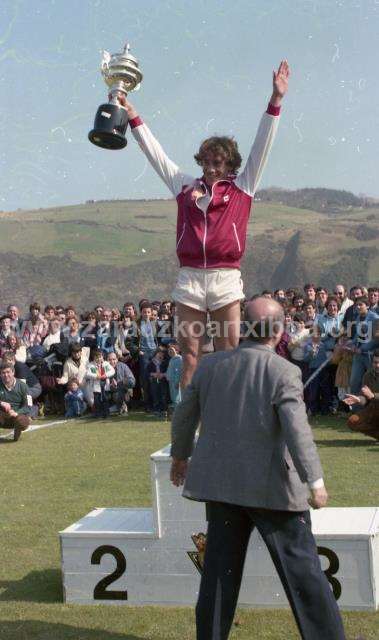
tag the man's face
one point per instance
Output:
(70, 313)
(373, 297)
(375, 364)
(300, 325)
(34, 313)
(299, 302)
(55, 326)
(322, 296)
(166, 307)
(362, 308)
(62, 319)
(73, 324)
(49, 314)
(13, 312)
(309, 310)
(7, 377)
(106, 316)
(146, 313)
(76, 355)
(332, 308)
(129, 311)
(154, 314)
(356, 293)
(310, 294)
(339, 292)
(214, 167)
(112, 359)
(280, 295)
(5, 324)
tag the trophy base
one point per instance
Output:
(109, 127)
(107, 140)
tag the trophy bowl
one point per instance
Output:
(121, 74)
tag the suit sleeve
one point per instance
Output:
(186, 419)
(295, 427)
(167, 170)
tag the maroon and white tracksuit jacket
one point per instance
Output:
(211, 226)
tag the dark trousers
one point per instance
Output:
(292, 547)
(321, 393)
(100, 404)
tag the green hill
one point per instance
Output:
(106, 252)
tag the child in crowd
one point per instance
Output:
(173, 373)
(297, 343)
(74, 399)
(155, 371)
(98, 373)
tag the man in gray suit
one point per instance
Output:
(256, 465)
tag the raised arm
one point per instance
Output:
(170, 173)
(250, 177)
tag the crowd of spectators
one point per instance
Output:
(108, 360)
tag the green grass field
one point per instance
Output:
(53, 477)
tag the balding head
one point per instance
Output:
(265, 318)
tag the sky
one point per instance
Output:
(207, 67)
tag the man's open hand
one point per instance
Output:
(319, 498)
(178, 471)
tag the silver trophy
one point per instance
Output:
(122, 74)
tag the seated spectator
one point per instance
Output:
(35, 328)
(365, 340)
(75, 365)
(14, 403)
(23, 372)
(74, 402)
(54, 336)
(15, 346)
(296, 344)
(121, 384)
(173, 373)
(16, 321)
(155, 372)
(97, 378)
(367, 420)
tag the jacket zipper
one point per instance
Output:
(205, 223)
(236, 234)
(181, 236)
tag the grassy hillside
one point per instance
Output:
(109, 251)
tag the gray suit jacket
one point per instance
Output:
(255, 446)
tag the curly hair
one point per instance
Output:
(224, 146)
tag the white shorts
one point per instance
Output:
(208, 289)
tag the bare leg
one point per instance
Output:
(228, 319)
(191, 329)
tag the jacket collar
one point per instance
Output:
(258, 346)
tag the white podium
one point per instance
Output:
(142, 556)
